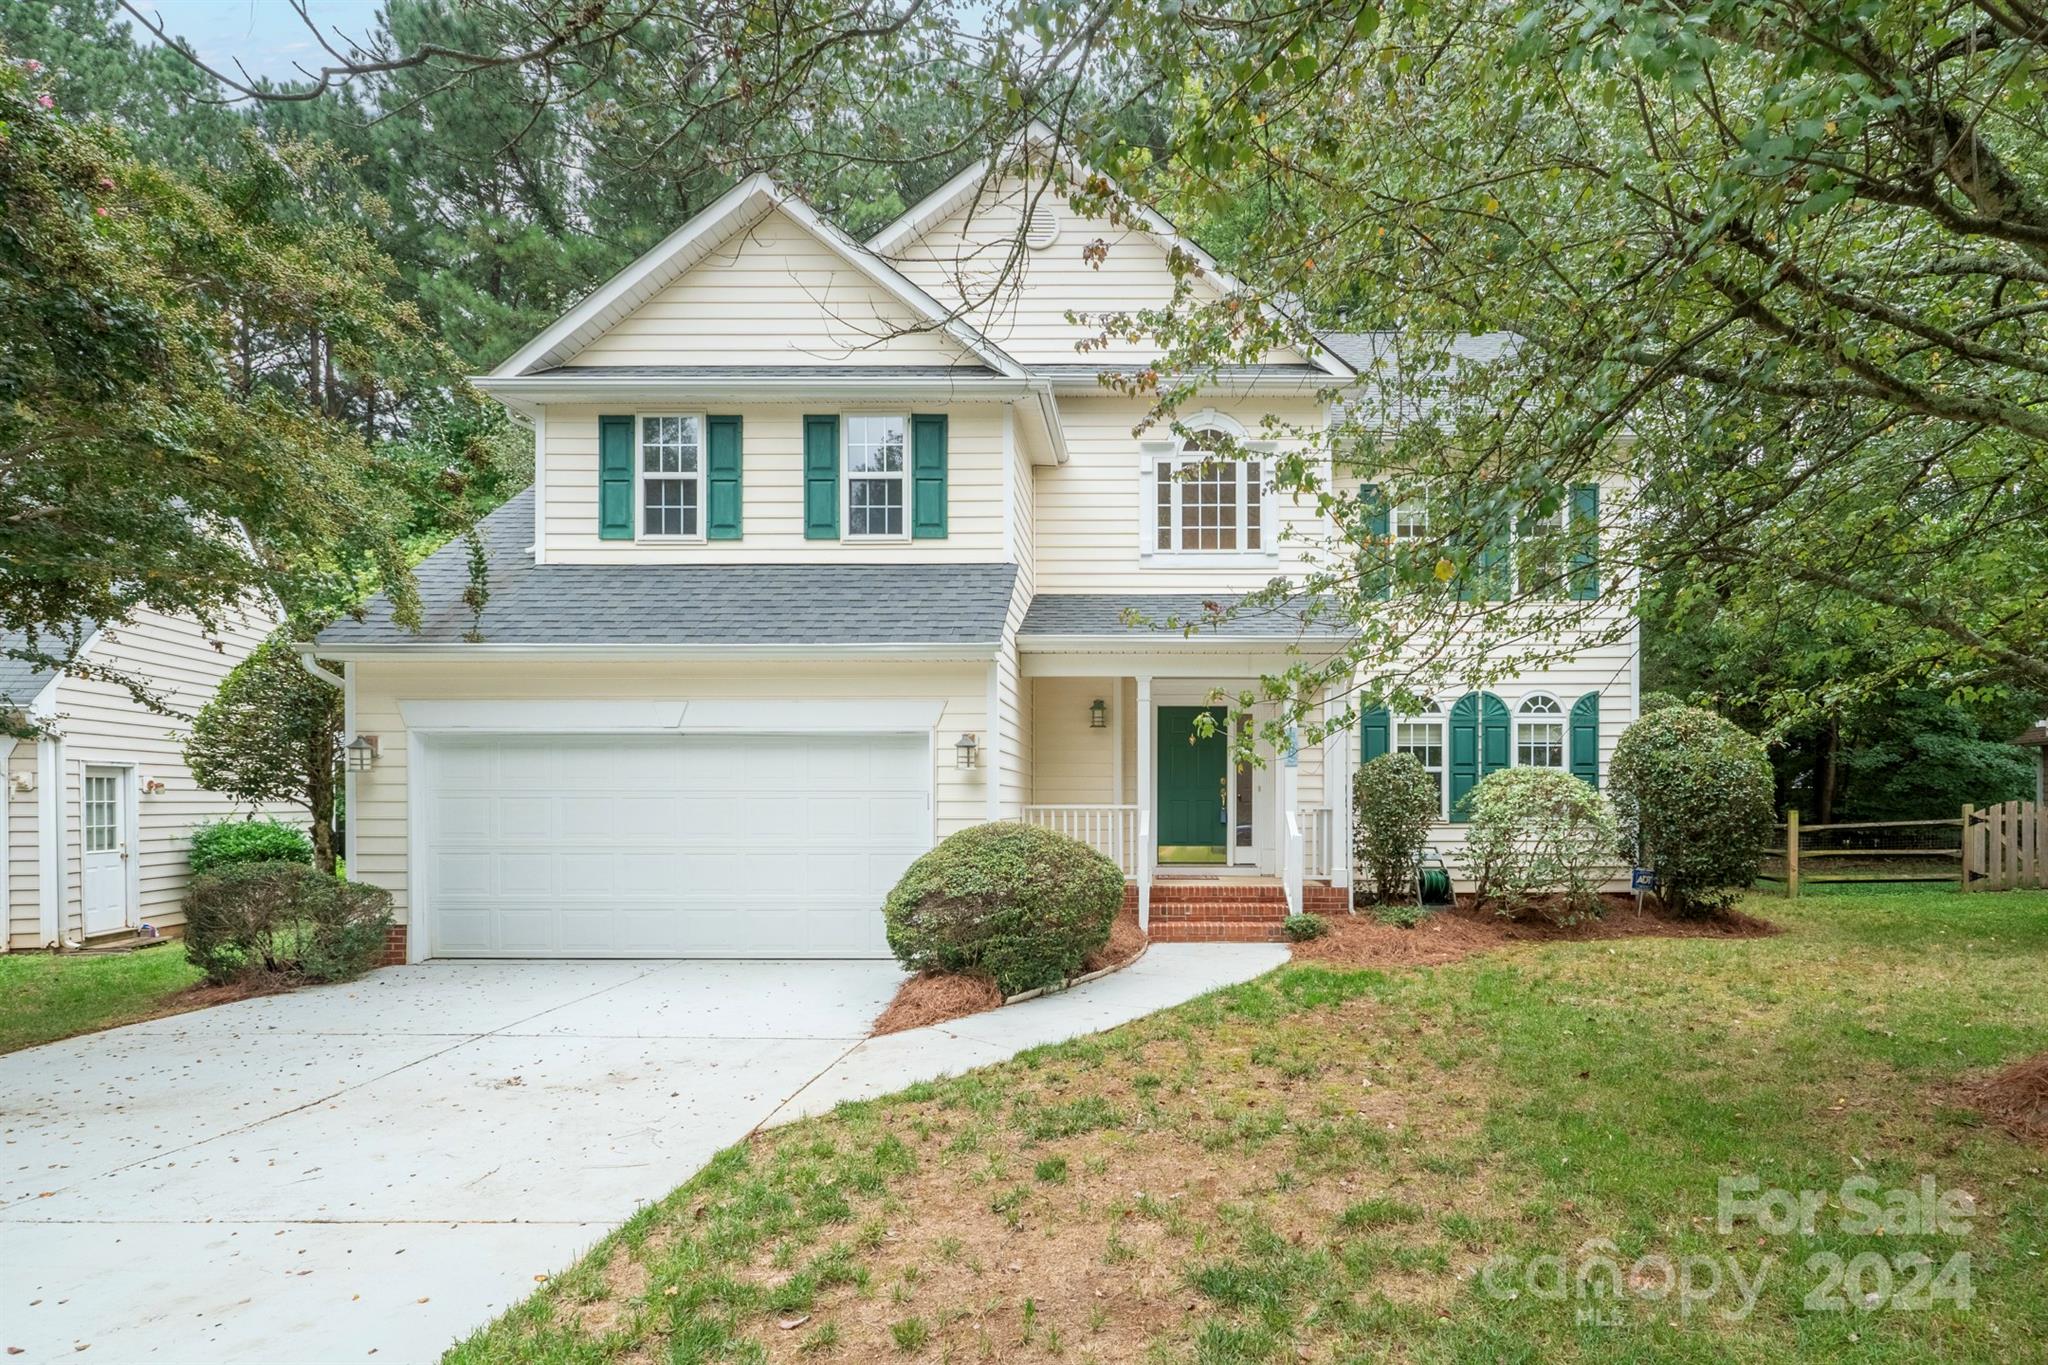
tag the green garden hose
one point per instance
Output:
(1435, 886)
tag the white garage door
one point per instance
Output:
(670, 846)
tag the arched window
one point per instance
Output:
(1421, 736)
(1539, 732)
(1207, 501)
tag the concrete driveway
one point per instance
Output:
(378, 1169)
(374, 1170)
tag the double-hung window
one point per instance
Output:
(1421, 736)
(1540, 555)
(1539, 733)
(672, 478)
(876, 497)
(1208, 503)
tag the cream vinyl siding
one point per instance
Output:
(1076, 763)
(103, 724)
(965, 261)
(772, 490)
(24, 903)
(1095, 511)
(1013, 707)
(379, 840)
(773, 295)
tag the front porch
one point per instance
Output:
(1213, 850)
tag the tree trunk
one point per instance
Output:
(320, 797)
(1830, 746)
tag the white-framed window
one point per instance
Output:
(1540, 545)
(1205, 504)
(1409, 521)
(102, 813)
(877, 492)
(1539, 732)
(671, 481)
(1421, 736)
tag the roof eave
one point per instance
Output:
(918, 651)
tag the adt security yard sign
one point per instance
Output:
(1642, 879)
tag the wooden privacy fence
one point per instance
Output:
(2005, 847)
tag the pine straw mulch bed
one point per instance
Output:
(935, 997)
(1447, 935)
(2014, 1098)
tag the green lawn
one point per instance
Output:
(45, 997)
(1326, 1165)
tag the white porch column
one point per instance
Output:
(1148, 797)
(1337, 750)
(51, 864)
(1287, 793)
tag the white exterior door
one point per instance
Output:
(105, 838)
(670, 845)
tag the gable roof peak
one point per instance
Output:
(740, 207)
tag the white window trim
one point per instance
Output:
(847, 474)
(641, 475)
(1440, 719)
(1151, 453)
(1560, 718)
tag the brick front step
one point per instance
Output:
(1218, 910)
(1217, 931)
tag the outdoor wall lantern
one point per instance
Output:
(1098, 714)
(361, 753)
(963, 751)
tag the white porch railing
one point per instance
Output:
(1320, 843)
(1110, 830)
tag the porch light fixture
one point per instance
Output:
(1098, 714)
(964, 750)
(361, 753)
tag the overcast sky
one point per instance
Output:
(265, 35)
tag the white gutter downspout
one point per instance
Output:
(50, 865)
(6, 845)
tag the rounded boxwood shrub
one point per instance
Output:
(1538, 832)
(227, 843)
(283, 920)
(1693, 794)
(1020, 904)
(1394, 801)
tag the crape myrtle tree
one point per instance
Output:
(1784, 264)
(182, 364)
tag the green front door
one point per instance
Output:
(1192, 823)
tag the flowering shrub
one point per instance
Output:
(1693, 794)
(1394, 801)
(1538, 832)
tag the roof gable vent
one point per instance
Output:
(1044, 228)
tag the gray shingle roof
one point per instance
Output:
(1220, 372)
(764, 372)
(20, 680)
(1102, 614)
(687, 604)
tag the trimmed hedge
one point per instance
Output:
(1536, 833)
(1014, 902)
(283, 920)
(1694, 793)
(1394, 801)
(229, 843)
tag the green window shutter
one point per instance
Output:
(1496, 734)
(1497, 560)
(1379, 525)
(821, 478)
(1585, 739)
(928, 476)
(1463, 759)
(1372, 733)
(1584, 529)
(722, 477)
(615, 478)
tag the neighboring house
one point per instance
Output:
(827, 556)
(98, 811)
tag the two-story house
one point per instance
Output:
(829, 553)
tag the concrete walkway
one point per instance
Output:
(377, 1169)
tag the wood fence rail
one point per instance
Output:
(1996, 848)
